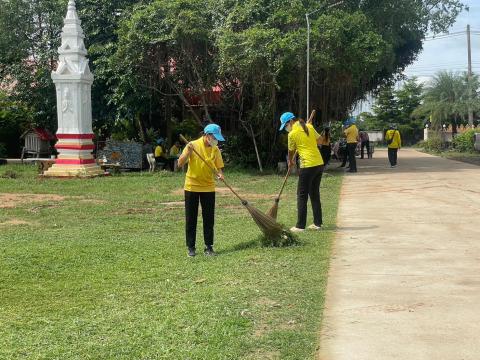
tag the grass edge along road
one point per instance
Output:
(97, 269)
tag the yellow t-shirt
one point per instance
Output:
(158, 151)
(352, 134)
(174, 151)
(397, 141)
(306, 145)
(200, 178)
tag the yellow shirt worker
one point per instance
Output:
(305, 145)
(159, 150)
(351, 133)
(303, 139)
(200, 185)
(175, 150)
(394, 142)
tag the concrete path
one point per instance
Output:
(404, 281)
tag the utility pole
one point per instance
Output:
(469, 45)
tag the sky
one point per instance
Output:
(447, 53)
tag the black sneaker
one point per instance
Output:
(209, 251)
(191, 252)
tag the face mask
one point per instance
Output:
(213, 142)
(288, 127)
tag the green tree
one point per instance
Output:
(29, 38)
(448, 98)
(386, 108)
(409, 97)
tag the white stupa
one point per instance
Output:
(73, 81)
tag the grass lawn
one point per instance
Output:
(97, 269)
(471, 158)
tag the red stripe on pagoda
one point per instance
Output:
(74, 161)
(75, 136)
(75, 147)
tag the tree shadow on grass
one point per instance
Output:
(241, 246)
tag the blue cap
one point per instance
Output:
(350, 121)
(160, 141)
(285, 118)
(215, 130)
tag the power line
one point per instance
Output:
(445, 36)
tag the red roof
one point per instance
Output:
(43, 134)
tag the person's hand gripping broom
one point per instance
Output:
(267, 224)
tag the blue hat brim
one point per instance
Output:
(219, 137)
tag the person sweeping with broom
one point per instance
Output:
(202, 155)
(303, 139)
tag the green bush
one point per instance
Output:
(238, 151)
(3, 150)
(15, 118)
(434, 144)
(465, 142)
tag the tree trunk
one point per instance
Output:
(256, 149)
(141, 128)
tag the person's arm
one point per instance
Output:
(219, 165)
(291, 158)
(320, 140)
(399, 140)
(187, 152)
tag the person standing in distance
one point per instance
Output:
(365, 140)
(394, 143)
(304, 139)
(200, 186)
(351, 133)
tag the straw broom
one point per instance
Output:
(270, 228)
(272, 212)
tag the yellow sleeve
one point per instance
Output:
(317, 135)
(218, 159)
(292, 145)
(185, 150)
(399, 139)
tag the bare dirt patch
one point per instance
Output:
(137, 211)
(223, 191)
(93, 201)
(237, 209)
(173, 203)
(10, 200)
(15, 222)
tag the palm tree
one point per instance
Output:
(448, 98)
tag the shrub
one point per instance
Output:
(434, 144)
(3, 150)
(465, 142)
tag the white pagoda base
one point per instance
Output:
(73, 81)
(75, 158)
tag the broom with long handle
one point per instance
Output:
(267, 224)
(272, 212)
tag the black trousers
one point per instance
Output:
(207, 200)
(326, 151)
(351, 147)
(392, 156)
(309, 186)
(367, 145)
